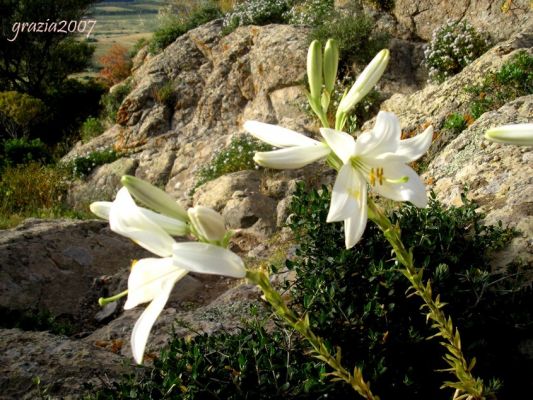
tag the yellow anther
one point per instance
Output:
(380, 175)
(372, 177)
(133, 263)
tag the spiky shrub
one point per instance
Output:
(257, 12)
(514, 79)
(452, 47)
(357, 297)
(237, 156)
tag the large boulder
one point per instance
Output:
(54, 266)
(36, 365)
(499, 177)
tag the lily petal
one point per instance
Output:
(208, 259)
(126, 219)
(342, 144)
(412, 190)
(519, 134)
(346, 196)
(276, 135)
(143, 325)
(383, 138)
(354, 227)
(292, 157)
(414, 148)
(147, 278)
(101, 209)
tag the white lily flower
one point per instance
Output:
(519, 134)
(207, 222)
(378, 158)
(296, 151)
(152, 279)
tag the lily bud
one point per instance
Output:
(208, 223)
(154, 197)
(365, 82)
(314, 70)
(331, 63)
(519, 134)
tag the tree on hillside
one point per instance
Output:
(33, 62)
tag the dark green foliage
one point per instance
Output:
(173, 29)
(356, 298)
(455, 123)
(32, 62)
(237, 156)
(112, 101)
(83, 166)
(358, 43)
(91, 128)
(22, 151)
(250, 364)
(513, 80)
(34, 321)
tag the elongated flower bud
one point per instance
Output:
(314, 70)
(365, 82)
(207, 222)
(331, 63)
(154, 197)
(519, 134)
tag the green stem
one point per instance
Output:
(103, 301)
(467, 387)
(302, 325)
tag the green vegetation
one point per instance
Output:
(32, 190)
(354, 32)
(91, 128)
(237, 156)
(83, 166)
(357, 300)
(257, 12)
(165, 95)
(453, 46)
(310, 12)
(111, 102)
(514, 79)
(176, 26)
(23, 151)
(455, 123)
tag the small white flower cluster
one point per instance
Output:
(453, 46)
(309, 12)
(256, 12)
(84, 164)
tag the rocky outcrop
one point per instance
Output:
(499, 177)
(55, 266)
(37, 365)
(421, 18)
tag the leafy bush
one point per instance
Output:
(257, 12)
(19, 112)
(358, 43)
(237, 156)
(31, 190)
(250, 364)
(453, 46)
(82, 166)
(357, 298)
(514, 79)
(91, 128)
(111, 101)
(177, 26)
(22, 151)
(455, 123)
(116, 64)
(309, 12)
